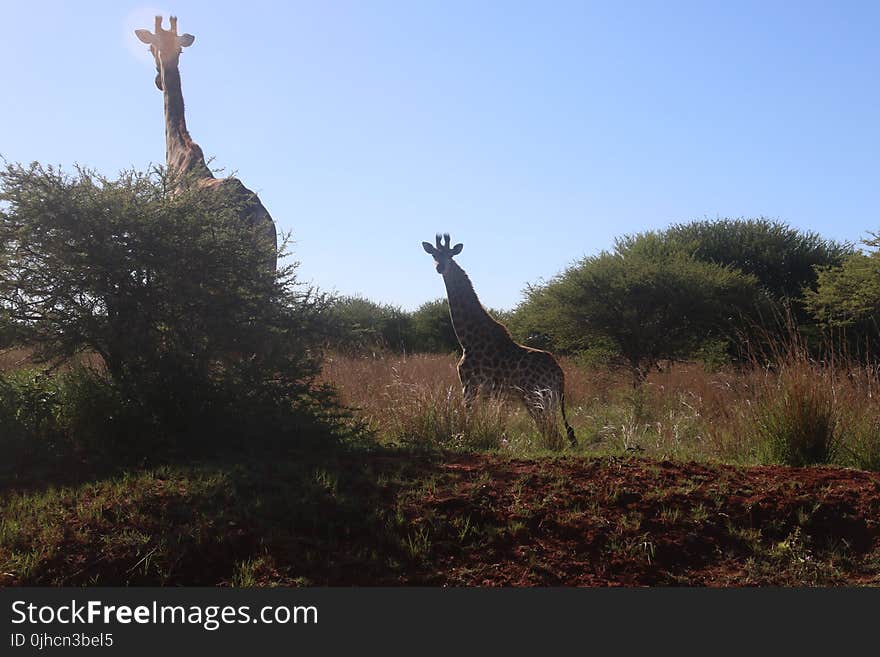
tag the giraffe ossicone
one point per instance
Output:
(491, 361)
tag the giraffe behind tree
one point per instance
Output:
(184, 157)
(491, 362)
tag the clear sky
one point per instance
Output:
(534, 132)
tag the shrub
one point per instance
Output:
(432, 328)
(170, 289)
(94, 415)
(358, 325)
(688, 288)
(73, 414)
(28, 400)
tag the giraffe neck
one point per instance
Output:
(182, 154)
(474, 327)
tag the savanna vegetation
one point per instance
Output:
(173, 413)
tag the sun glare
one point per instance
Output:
(140, 18)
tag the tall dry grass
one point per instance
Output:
(417, 399)
(791, 409)
(811, 411)
(16, 358)
(785, 407)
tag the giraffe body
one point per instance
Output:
(492, 363)
(183, 156)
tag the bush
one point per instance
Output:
(358, 325)
(432, 329)
(64, 417)
(94, 415)
(74, 412)
(677, 284)
(165, 283)
(28, 400)
(601, 353)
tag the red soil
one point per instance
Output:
(639, 522)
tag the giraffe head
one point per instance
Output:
(442, 253)
(165, 45)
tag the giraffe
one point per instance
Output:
(183, 156)
(491, 362)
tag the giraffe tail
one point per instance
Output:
(568, 430)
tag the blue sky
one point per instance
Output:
(534, 132)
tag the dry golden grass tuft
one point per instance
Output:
(14, 358)
(416, 399)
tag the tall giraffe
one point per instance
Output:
(183, 156)
(491, 362)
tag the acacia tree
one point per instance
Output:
(163, 282)
(782, 259)
(643, 307)
(847, 297)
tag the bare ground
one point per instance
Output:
(637, 522)
(451, 519)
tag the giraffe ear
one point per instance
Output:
(145, 35)
(456, 249)
(185, 40)
(427, 246)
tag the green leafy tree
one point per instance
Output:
(640, 304)
(781, 258)
(158, 278)
(357, 325)
(846, 298)
(432, 328)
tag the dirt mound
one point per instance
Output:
(491, 521)
(383, 517)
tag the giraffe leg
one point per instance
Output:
(568, 430)
(556, 388)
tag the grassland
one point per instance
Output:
(745, 416)
(666, 488)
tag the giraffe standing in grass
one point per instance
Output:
(491, 362)
(183, 156)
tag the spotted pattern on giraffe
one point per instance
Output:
(492, 363)
(183, 156)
